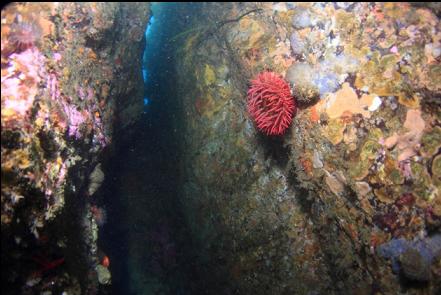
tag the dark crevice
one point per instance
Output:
(145, 236)
(274, 148)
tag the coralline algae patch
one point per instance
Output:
(35, 118)
(24, 142)
(20, 85)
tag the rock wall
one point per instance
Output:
(71, 73)
(344, 201)
(347, 201)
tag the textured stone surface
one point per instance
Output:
(359, 166)
(304, 213)
(68, 77)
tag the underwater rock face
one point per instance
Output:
(413, 258)
(305, 214)
(347, 192)
(67, 73)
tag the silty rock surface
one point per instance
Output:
(68, 77)
(359, 166)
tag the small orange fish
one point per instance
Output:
(105, 261)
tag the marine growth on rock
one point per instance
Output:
(270, 103)
(24, 35)
(412, 258)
